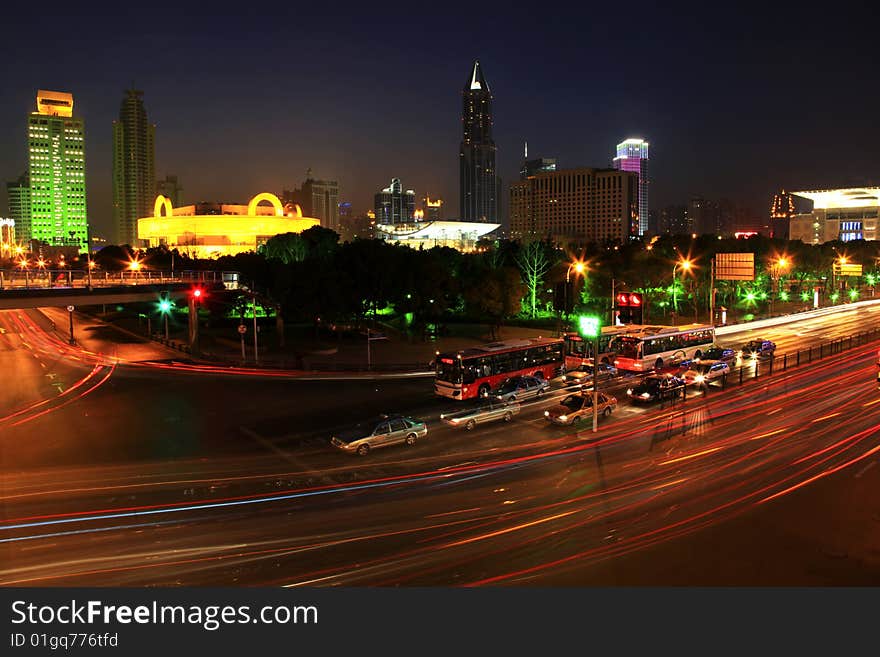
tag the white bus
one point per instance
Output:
(653, 347)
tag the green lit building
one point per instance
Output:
(57, 173)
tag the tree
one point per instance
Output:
(286, 247)
(496, 297)
(533, 265)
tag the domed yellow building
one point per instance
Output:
(210, 230)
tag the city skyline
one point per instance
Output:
(730, 95)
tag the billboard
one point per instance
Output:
(847, 269)
(735, 266)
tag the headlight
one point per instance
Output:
(629, 391)
(699, 378)
(546, 413)
(645, 395)
(563, 418)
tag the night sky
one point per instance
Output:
(735, 102)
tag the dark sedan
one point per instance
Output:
(657, 387)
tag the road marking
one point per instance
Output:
(250, 433)
(776, 410)
(825, 417)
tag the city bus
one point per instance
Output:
(652, 347)
(472, 373)
(580, 352)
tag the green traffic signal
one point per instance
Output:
(589, 326)
(165, 305)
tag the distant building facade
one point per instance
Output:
(632, 155)
(394, 204)
(317, 198)
(134, 166)
(18, 198)
(478, 179)
(675, 220)
(837, 214)
(781, 211)
(536, 166)
(460, 235)
(171, 189)
(433, 208)
(576, 204)
(57, 173)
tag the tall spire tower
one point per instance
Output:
(478, 178)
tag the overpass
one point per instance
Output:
(27, 289)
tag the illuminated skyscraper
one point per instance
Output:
(478, 180)
(317, 198)
(632, 155)
(134, 167)
(170, 188)
(394, 205)
(57, 171)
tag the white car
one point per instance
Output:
(706, 371)
(518, 388)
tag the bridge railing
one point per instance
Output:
(14, 279)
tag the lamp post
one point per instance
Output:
(89, 267)
(591, 327)
(686, 265)
(779, 264)
(70, 310)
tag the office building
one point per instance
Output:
(478, 181)
(316, 198)
(394, 205)
(674, 220)
(781, 211)
(18, 199)
(576, 205)
(536, 166)
(210, 230)
(171, 189)
(837, 215)
(57, 173)
(134, 166)
(632, 155)
(432, 208)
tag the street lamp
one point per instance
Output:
(779, 264)
(579, 268)
(686, 266)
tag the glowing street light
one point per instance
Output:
(686, 265)
(578, 266)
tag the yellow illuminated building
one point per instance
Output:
(210, 230)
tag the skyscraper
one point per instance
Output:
(632, 155)
(478, 180)
(394, 205)
(57, 172)
(18, 197)
(433, 208)
(134, 167)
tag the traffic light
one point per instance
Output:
(198, 293)
(563, 297)
(629, 307)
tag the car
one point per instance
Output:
(487, 412)
(719, 353)
(583, 375)
(657, 387)
(384, 431)
(518, 388)
(757, 348)
(580, 407)
(706, 371)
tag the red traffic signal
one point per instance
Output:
(635, 299)
(623, 300)
(197, 293)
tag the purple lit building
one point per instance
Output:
(632, 155)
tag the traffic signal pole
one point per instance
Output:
(596, 384)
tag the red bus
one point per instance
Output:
(580, 352)
(474, 372)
